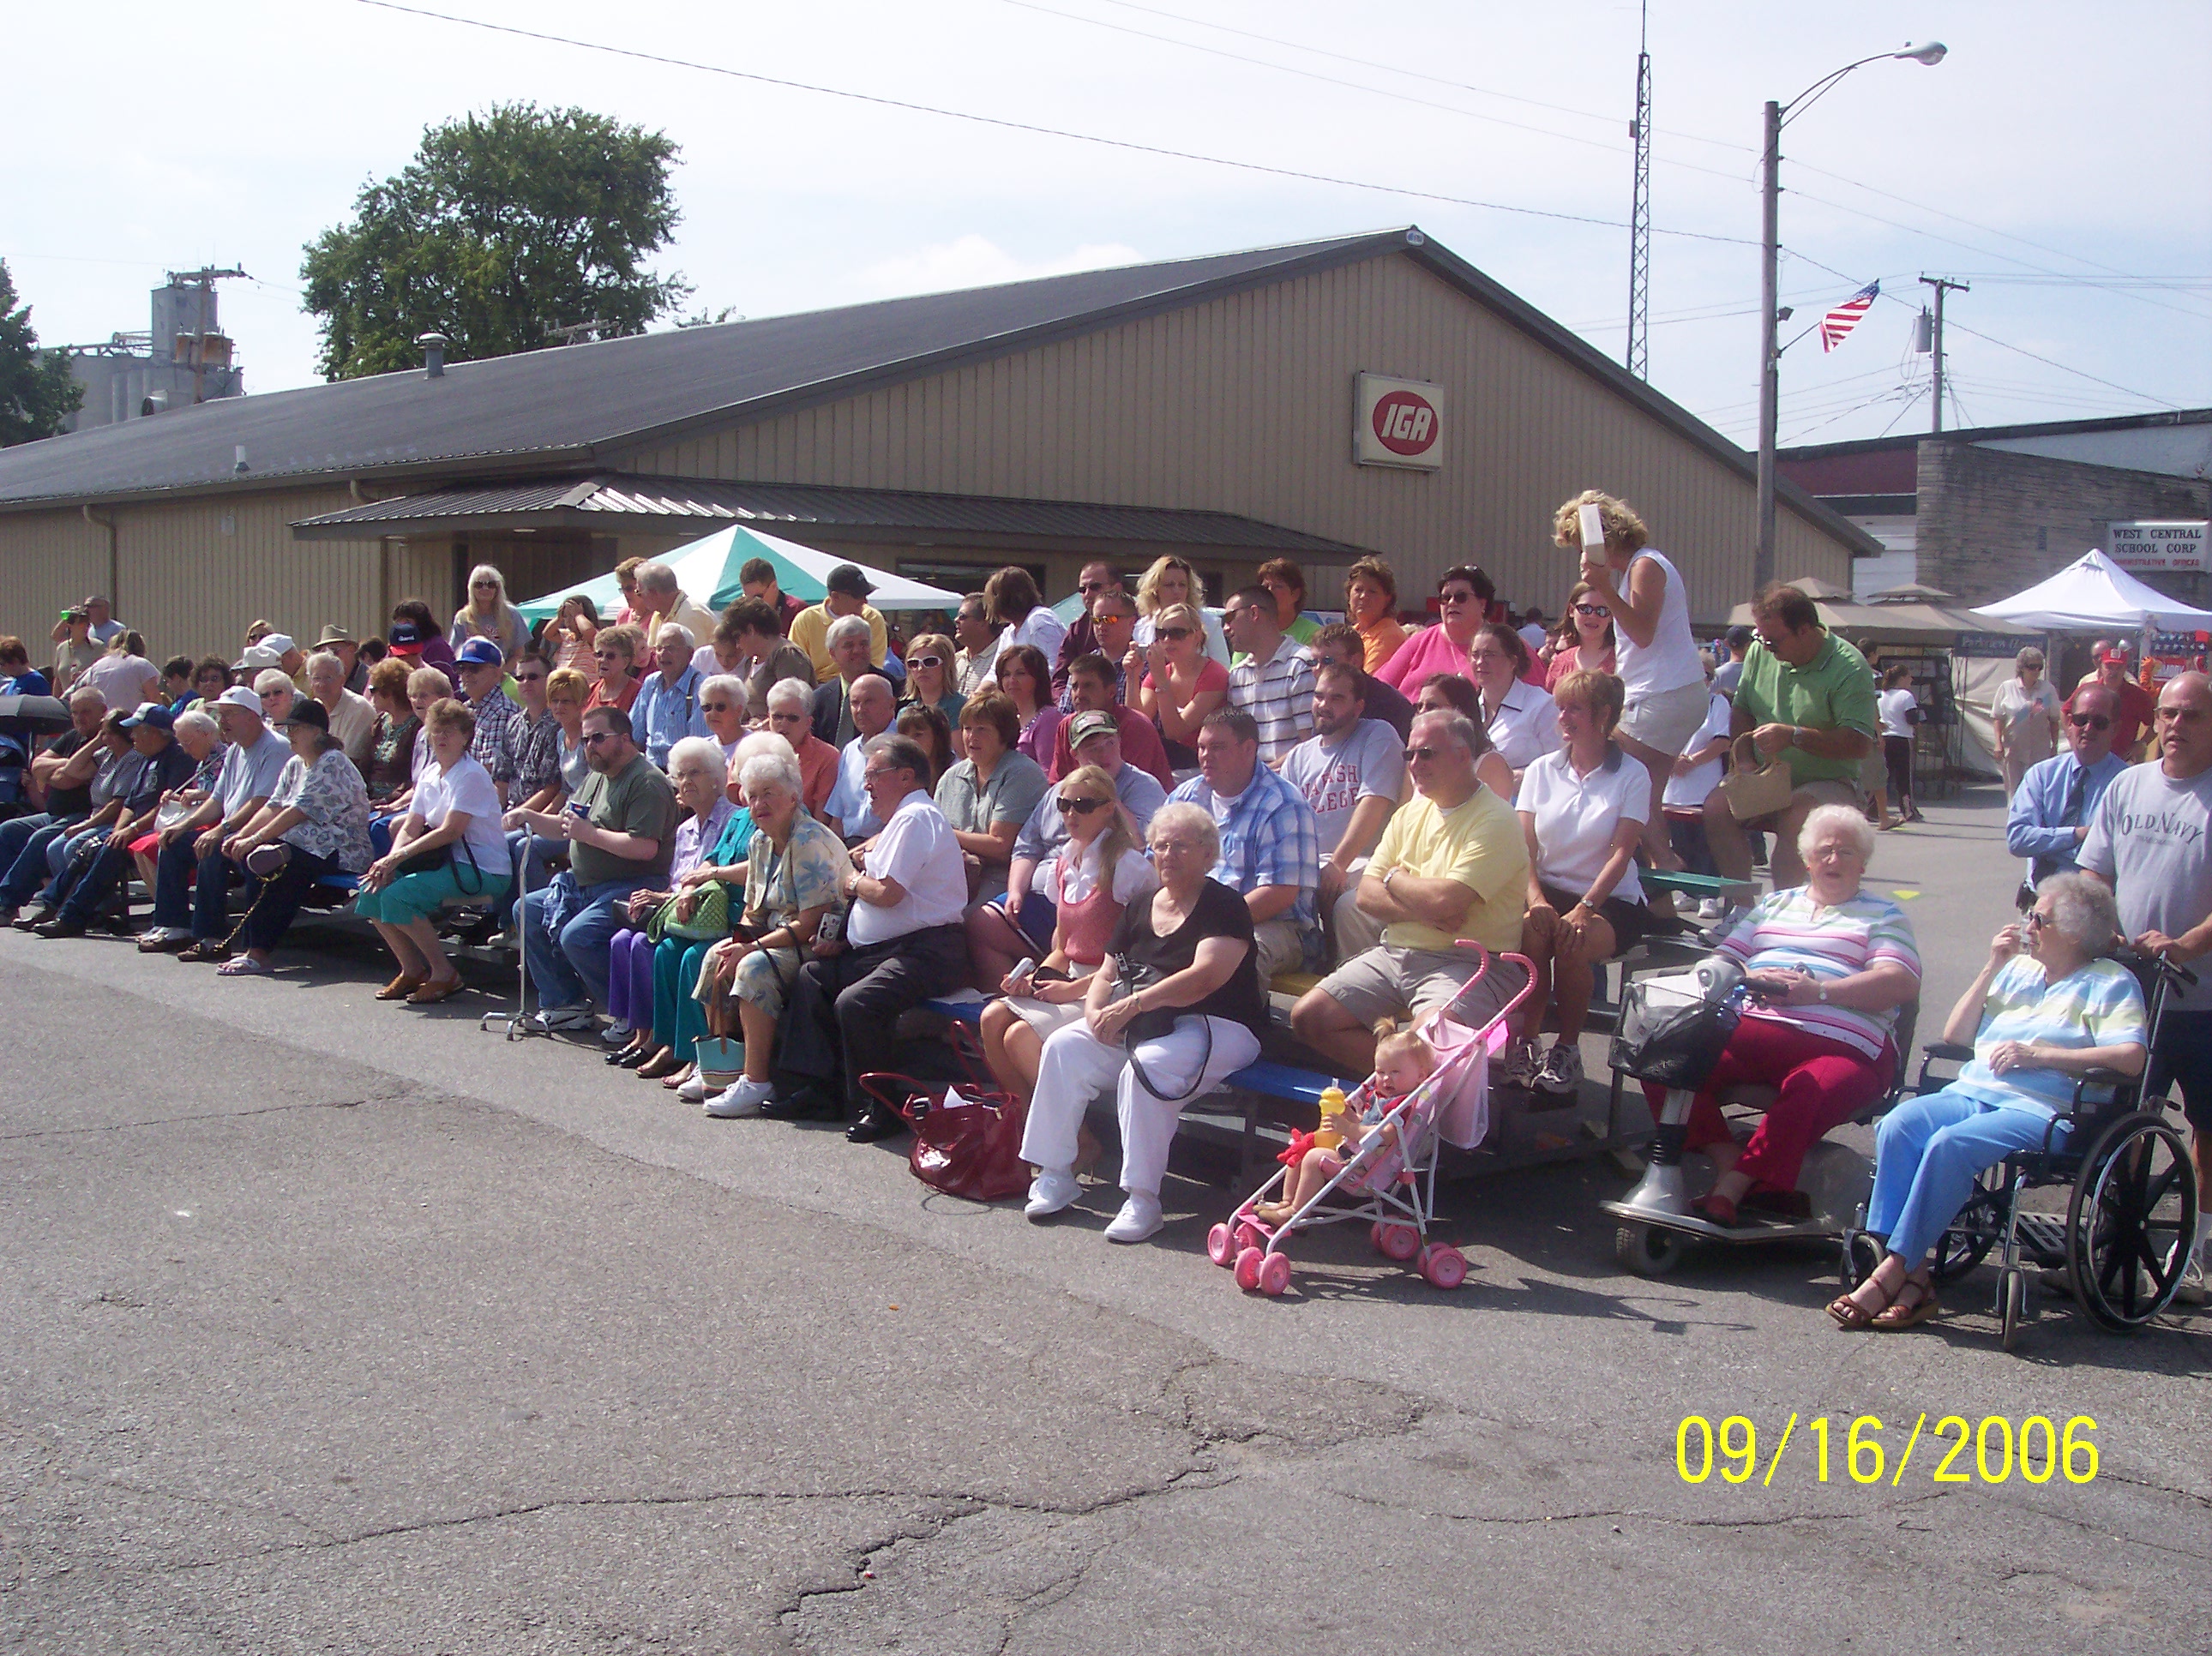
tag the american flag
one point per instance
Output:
(1837, 325)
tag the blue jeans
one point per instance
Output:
(97, 884)
(1928, 1151)
(178, 903)
(577, 969)
(23, 844)
(528, 852)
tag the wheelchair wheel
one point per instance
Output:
(2012, 1307)
(1648, 1250)
(1859, 1254)
(1965, 1242)
(2131, 1220)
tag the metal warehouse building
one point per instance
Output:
(1371, 393)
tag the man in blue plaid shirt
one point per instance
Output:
(482, 670)
(1270, 840)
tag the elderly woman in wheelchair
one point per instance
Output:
(1829, 966)
(2044, 1011)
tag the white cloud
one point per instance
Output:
(976, 261)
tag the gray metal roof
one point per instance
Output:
(568, 501)
(572, 404)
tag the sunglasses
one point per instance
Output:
(1173, 633)
(1597, 610)
(929, 661)
(1413, 755)
(530, 679)
(1455, 597)
(2089, 721)
(1080, 807)
(714, 707)
(1089, 586)
(592, 738)
(2035, 920)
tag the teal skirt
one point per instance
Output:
(414, 897)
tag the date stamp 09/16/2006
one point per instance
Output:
(1959, 1450)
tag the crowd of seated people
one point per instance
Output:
(783, 827)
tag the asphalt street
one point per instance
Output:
(330, 1325)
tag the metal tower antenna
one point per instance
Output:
(1639, 213)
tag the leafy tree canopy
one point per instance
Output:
(504, 228)
(37, 391)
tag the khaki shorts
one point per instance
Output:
(1411, 982)
(1666, 719)
(1825, 792)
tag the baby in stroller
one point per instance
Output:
(1402, 1062)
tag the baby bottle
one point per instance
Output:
(1326, 1136)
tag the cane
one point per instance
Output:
(518, 1022)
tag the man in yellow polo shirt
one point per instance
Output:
(844, 593)
(1452, 863)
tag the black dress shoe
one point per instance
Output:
(626, 1058)
(60, 926)
(874, 1126)
(807, 1104)
(34, 921)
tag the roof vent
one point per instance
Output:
(434, 354)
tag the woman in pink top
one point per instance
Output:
(1023, 675)
(1463, 600)
(1090, 879)
(1589, 623)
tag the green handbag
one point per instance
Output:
(709, 921)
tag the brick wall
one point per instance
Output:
(1991, 523)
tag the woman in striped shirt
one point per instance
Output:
(1830, 964)
(2044, 1011)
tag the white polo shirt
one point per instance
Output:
(917, 850)
(1526, 726)
(1576, 817)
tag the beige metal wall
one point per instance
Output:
(1243, 404)
(193, 574)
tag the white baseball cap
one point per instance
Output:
(239, 696)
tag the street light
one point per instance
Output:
(1770, 351)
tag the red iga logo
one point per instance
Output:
(1405, 423)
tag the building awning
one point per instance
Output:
(609, 504)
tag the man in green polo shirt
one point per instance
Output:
(1808, 697)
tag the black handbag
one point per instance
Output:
(438, 856)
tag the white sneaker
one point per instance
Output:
(694, 1090)
(1139, 1218)
(616, 1033)
(2191, 1290)
(1053, 1189)
(743, 1099)
(1517, 1066)
(578, 1016)
(1562, 1070)
(1711, 909)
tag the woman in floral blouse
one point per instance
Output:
(315, 823)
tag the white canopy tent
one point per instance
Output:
(2093, 594)
(708, 569)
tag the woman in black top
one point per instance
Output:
(1175, 1007)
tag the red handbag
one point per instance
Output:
(971, 1148)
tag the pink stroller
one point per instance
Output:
(1392, 1185)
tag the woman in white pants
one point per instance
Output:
(1174, 1008)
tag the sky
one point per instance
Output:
(2059, 161)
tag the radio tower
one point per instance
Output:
(1639, 212)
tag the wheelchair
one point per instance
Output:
(2129, 1217)
(1672, 1031)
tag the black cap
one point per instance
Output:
(305, 709)
(847, 578)
(1740, 637)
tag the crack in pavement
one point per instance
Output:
(1362, 1498)
(212, 1115)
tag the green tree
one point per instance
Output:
(37, 391)
(504, 228)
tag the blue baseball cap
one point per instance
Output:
(155, 714)
(479, 653)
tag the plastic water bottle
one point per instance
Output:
(1326, 1138)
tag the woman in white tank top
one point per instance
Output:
(1661, 676)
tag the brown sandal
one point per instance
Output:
(431, 992)
(1850, 1314)
(1898, 1315)
(400, 987)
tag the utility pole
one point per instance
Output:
(1941, 285)
(1769, 345)
(204, 279)
(1639, 213)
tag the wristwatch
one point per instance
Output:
(1824, 994)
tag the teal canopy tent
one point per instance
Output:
(707, 572)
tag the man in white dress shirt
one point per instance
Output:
(903, 942)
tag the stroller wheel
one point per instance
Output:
(1274, 1273)
(1221, 1245)
(1248, 1269)
(1399, 1242)
(1442, 1266)
(1249, 1236)
(1647, 1250)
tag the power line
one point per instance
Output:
(1005, 124)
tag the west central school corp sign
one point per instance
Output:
(1397, 422)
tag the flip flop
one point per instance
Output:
(433, 991)
(1897, 1315)
(244, 966)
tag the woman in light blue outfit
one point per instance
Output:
(2048, 1010)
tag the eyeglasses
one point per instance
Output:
(1597, 610)
(1414, 754)
(530, 679)
(1087, 587)
(1079, 807)
(714, 707)
(2037, 919)
(2089, 721)
(1173, 633)
(929, 661)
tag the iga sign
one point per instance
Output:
(1397, 422)
(2157, 545)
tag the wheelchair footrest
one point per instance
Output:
(2043, 1238)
